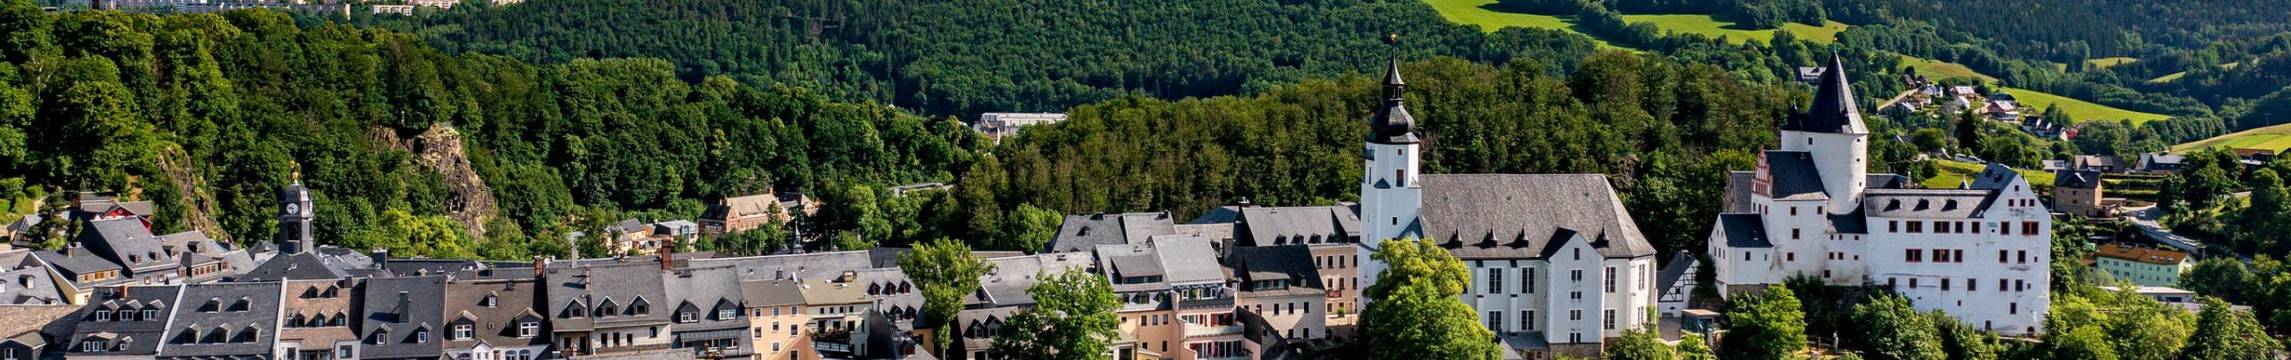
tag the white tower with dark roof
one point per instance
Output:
(1390, 195)
(1831, 130)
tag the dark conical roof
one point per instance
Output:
(1392, 124)
(1833, 110)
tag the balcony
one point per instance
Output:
(1198, 330)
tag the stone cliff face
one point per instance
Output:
(439, 149)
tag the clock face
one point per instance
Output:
(293, 208)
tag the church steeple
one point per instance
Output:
(294, 219)
(1833, 110)
(1391, 124)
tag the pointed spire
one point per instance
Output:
(1833, 110)
(1391, 124)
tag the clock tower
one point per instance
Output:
(294, 219)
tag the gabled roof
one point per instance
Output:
(79, 261)
(1290, 263)
(622, 283)
(1744, 230)
(1515, 215)
(126, 241)
(1995, 176)
(741, 207)
(705, 288)
(25, 281)
(1927, 203)
(775, 292)
(1301, 224)
(397, 307)
(497, 324)
(143, 335)
(1007, 284)
(306, 265)
(250, 313)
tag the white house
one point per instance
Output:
(1811, 209)
(1557, 265)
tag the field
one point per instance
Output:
(1953, 172)
(2033, 101)
(2277, 138)
(2176, 76)
(1490, 16)
(2108, 62)
(1936, 69)
(1707, 25)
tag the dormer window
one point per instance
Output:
(381, 337)
(212, 305)
(687, 316)
(463, 332)
(242, 304)
(103, 315)
(490, 300)
(726, 314)
(422, 336)
(149, 314)
(528, 329)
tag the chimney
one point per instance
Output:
(405, 304)
(668, 253)
(73, 250)
(540, 265)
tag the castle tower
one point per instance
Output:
(1390, 197)
(1832, 132)
(295, 218)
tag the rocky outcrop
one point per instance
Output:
(196, 196)
(439, 149)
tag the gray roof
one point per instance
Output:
(126, 241)
(1290, 263)
(2076, 179)
(1927, 203)
(707, 291)
(141, 336)
(1674, 270)
(78, 261)
(1391, 123)
(1855, 222)
(327, 263)
(1995, 176)
(514, 301)
(823, 265)
(395, 309)
(771, 292)
(1889, 181)
(1515, 215)
(1794, 176)
(1082, 232)
(1302, 224)
(1744, 230)
(423, 266)
(246, 314)
(1190, 259)
(620, 284)
(1007, 284)
(26, 280)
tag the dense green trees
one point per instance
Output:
(1768, 325)
(1414, 313)
(947, 272)
(1072, 319)
(1896, 331)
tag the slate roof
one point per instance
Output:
(514, 301)
(1675, 270)
(327, 263)
(1080, 233)
(76, 261)
(127, 242)
(1794, 176)
(1744, 230)
(1189, 259)
(1849, 223)
(1888, 181)
(1488, 216)
(1927, 203)
(823, 265)
(593, 285)
(224, 319)
(138, 337)
(1737, 196)
(395, 309)
(320, 300)
(1833, 110)
(1302, 224)
(771, 292)
(25, 280)
(1995, 176)
(32, 323)
(424, 266)
(1391, 123)
(2076, 179)
(1007, 284)
(1291, 263)
(708, 291)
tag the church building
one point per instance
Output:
(1557, 265)
(1813, 209)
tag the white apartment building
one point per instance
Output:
(1811, 209)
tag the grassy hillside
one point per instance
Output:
(1490, 16)
(1708, 25)
(2277, 138)
(1954, 172)
(1937, 69)
(2108, 62)
(2081, 110)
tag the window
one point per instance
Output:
(1575, 274)
(2013, 309)
(1610, 277)
(1916, 227)
(1893, 226)
(1610, 319)
(1575, 314)
(528, 329)
(726, 314)
(1972, 284)
(149, 314)
(1576, 295)
(2001, 256)
(1940, 256)
(1527, 280)
(1495, 321)
(2028, 228)
(1793, 211)
(687, 317)
(1794, 234)
(1944, 284)
(1912, 255)
(1495, 281)
(1527, 320)
(421, 336)
(103, 315)
(2022, 257)
(462, 332)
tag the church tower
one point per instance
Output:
(1390, 196)
(294, 220)
(1832, 132)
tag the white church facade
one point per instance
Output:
(1557, 264)
(1979, 252)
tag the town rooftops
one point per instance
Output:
(26, 324)
(1496, 216)
(741, 207)
(74, 260)
(136, 335)
(495, 309)
(1995, 176)
(328, 262)
(2141, 254)
(24, 280)
(404, 317)
(706, 292)
(1273, 270)
(224, 320)
(775, 292)
(1007, 284)
(1927, 203)
(128, 242)
(1081, 233)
